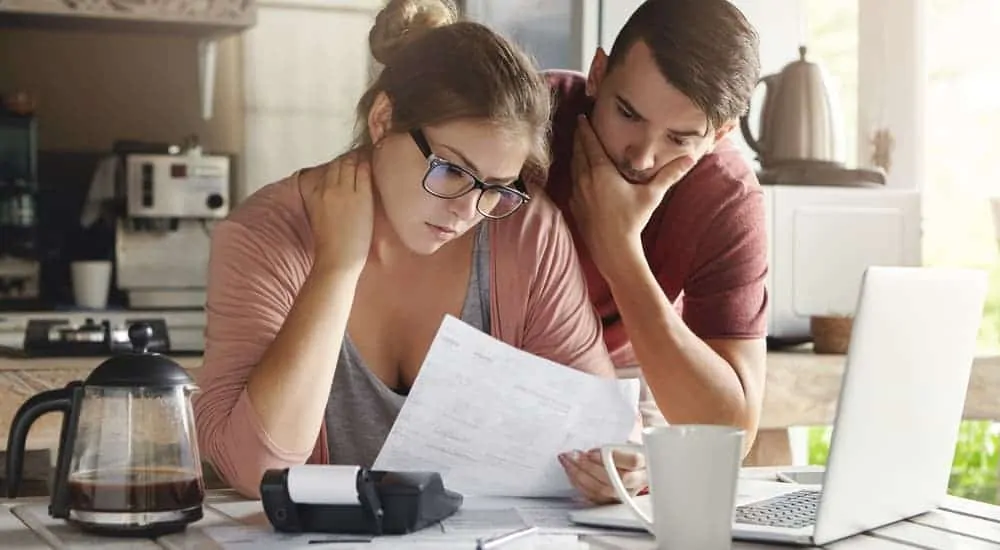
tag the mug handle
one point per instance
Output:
(608, 459)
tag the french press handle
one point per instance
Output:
(66, 400)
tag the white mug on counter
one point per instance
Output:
(693, 472)
(91, 283)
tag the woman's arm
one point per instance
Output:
(560, 322)
(276, 321)
(290, 386)
(272, 340)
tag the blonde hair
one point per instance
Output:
(437, 68)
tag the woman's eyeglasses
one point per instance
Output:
(446, 180)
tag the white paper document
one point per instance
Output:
(492, 419)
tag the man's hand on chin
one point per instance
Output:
(610, 212)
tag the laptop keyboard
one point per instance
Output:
(791, 510)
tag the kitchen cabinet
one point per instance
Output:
(200, 17)
(207, 19)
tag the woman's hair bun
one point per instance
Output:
(402, 20)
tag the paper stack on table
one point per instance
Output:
(492, 419)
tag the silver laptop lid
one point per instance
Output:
(906, 378)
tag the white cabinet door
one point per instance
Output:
(306, 64)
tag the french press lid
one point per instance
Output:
(139, 367)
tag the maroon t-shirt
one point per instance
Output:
(706, 243)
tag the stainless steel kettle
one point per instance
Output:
(797, 121)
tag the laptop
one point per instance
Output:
(901, 402)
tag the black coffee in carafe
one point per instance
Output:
(139, 491)
(128, 461)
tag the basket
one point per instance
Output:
(831, 335)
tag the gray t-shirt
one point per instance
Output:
(361, 408)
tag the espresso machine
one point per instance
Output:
(163, 233)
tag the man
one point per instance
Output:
(666, 213)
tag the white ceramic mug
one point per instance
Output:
(91, 283)
(693, 472)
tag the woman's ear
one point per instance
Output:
(380, 117)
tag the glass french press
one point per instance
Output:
(128, 460)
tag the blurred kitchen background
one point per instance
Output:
(129, 127)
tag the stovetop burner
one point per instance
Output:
(60, 337)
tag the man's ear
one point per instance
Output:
(598, 68)
(724, 130)
(380, 117)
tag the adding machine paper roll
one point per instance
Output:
(323, 484)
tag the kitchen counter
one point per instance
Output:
(803, 387)
(802, 390)
(23, 378)
(76, 364)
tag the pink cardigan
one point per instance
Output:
(260, 258)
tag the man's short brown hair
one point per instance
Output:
(705, 48)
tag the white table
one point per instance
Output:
(25, 525)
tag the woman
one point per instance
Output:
(367, 253)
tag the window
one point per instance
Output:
(962, 116)
(831, 38)
(956, 170)
(961, 112)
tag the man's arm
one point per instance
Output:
(692, 379)
(712, 381)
